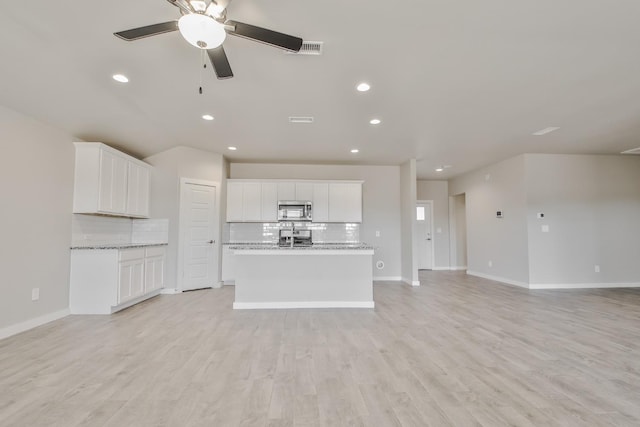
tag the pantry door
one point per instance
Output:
(198, 236)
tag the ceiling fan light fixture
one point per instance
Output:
(201, 31)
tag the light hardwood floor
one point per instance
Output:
(457, 351)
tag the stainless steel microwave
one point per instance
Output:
(294, 210)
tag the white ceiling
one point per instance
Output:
(460, 83)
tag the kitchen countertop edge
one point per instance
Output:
(117, 246)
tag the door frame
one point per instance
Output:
(182, 227)
(429, 205)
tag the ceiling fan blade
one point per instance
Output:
(185, 6)
(220, 63)
(273, 38)
(148, 31)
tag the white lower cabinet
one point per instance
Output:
(228, 266)
(104, 281)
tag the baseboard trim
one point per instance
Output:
(459, 268)
(170, 291)
(32, 323)
(441, 268)
(302, 304)
(411, 282)
(582, 285)
(387, 278)
(498, 279)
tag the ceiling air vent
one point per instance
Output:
(300, 119)
(309, 48)
(632, 151)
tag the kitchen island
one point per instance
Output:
(318, 276)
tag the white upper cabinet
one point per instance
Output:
(137, 191)
(252, 201)
(112, 183)
(304, 191)
(269, 201)
(286, 191)
(109, 182)
(345, 202)
(320, 206)
(257, 200)
(234, 201)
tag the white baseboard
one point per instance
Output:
(498, 279)
(555, 285)
(411, 282)
(582, 285)
(446, 268)
(387, 278)
(302, 304)
(170, 291)
(32, 323)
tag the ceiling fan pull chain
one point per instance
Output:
(204, 66)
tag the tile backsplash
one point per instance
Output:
(268, 232)
(95, 229)
(150, 231)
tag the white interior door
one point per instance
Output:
(424, 214)
(198, 226)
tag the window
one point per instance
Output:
(420, 213)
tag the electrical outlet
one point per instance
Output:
(597, 269)
(377, 233)
(35, 294)
(490, 263)
(545, 228)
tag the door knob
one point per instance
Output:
(211, 242)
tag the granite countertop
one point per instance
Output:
(315, 246)
(117, 245)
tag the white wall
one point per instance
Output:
(36, 167)
(503, 242)
(459, 232)
(408, 196)
(169, 167)
(380, 200)
(438, 191)
(592, 207)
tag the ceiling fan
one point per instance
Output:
(204, 24)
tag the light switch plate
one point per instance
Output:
(545, 228)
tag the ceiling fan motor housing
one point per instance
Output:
(201, 31)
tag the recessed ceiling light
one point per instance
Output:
(208, 117)
(374, 121)
(363, 87)
(355, 150)
(545, 131)
(440, 169)
(120, 78)
(232, 148)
